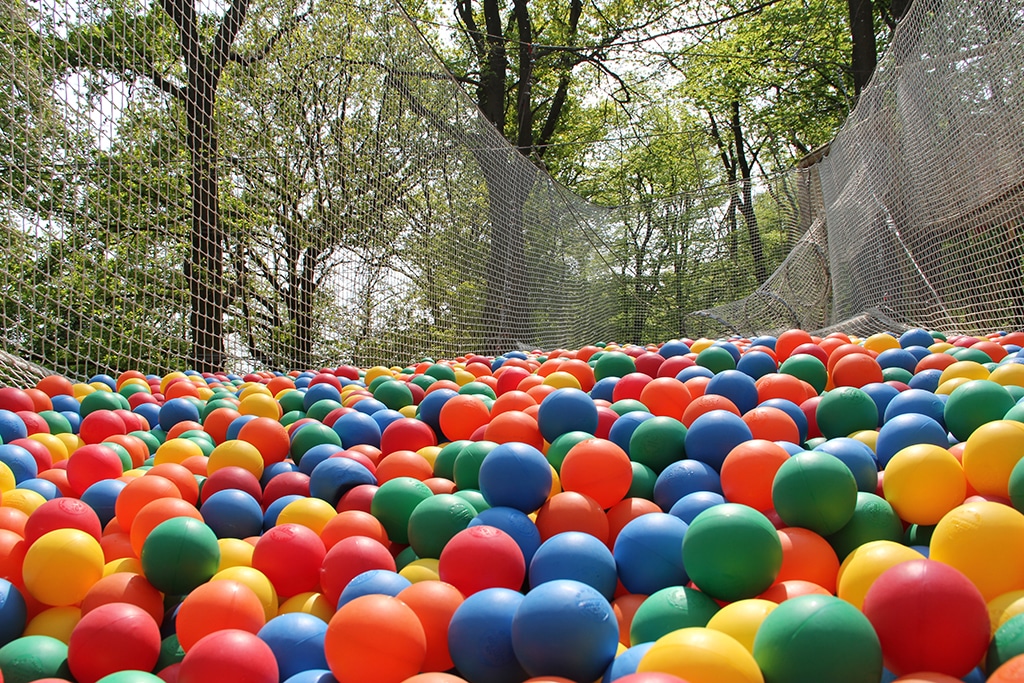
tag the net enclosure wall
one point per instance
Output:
(303, 184)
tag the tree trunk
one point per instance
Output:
(862, 30)
(747, 202)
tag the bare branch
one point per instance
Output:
(259, 55)
(230, 25)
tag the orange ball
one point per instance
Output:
(771, 424)
(705, 404)
(780, 385)
(434, 602)
(513, 400)
(216, 423)
(352, 523)
(748, 472)
(572, 511)
(217, 605)
(155, 512)
(403, 463)
(809, 557)
(269, 436)
(125, 587)
(375, 638)
(666, 396)
(625, 511)
(597, 468)
(624, 607)
(140, 492)
(1011, 671)
(855, 370)
(793, 588)
(462, 415)
(786, 342)
(183, 479)
(514, 426)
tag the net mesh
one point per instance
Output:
(304, 185)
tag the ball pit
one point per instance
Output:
(786, 508)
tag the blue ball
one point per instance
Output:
(334, 477)
(918, 352)
(604, 389)
(316, 455)
(673, 347)
(429, 409)
(480, 637)
(626, 663)
(274, 509)
(312, 676)
(385, 416)
(150, 411)
(765, 340)
(624, 426)
(11, 426)
(109, 381)
(692, 504)
(916, 337)
(64, 402)
(276, 468)
(236, 426)
(232, 513)
(176, 410)
(856, 455)
(897, 358)
(928, 380)
(297, 641)
(694, 371)
(13, 612)
(736, 386)
(917, 401)
(369, 405)
(683, 477)
(356, 428)
(515, 475)
(712, 435)
(44, 487)
(908, 429)
(373, 582)
(566, 410)
(516, 524)
(320, 392)
(757, 364)
(565, 628)
(793, 410)
(20, 460)
(648, 552)
(578, 556)
(882, 394)
(102, 497)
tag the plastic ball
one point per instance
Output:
(435, 520)
(290, 556)
(692, 504)
(654, 441)
(565, 628)
(682, 478)
(648, 553)
(125, 587)
(597, 468)
(816, 491)
(973, 404)
(113, 637)
(701, 655)
(1007, 645)
(991, 454)
(985, 541)
(394, 502)
(482, 557)
(566, 410)
(711, 437)
(923, 483)
(916, 402)
(742, 619)
(216, 605)
(180, 554)
(62, 513)
(907, 430)
(577, 556)
(749, 470)
(486, 617)
(347, 559)
(434, 603)
(34, 658)
(297, 641)
(335, 476)
(668, 610)
(816, 638)
(61, 566)
(373, 582)
(928, 617)
(375, 637)
(874, 519)
(229, 656)
(233, 514)
(517, 475)
(516, 524)
(845, 410)
(865, 564)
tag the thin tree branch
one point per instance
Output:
(230, 25)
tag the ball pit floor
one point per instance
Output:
(778, 509)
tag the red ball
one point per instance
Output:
(406, 434)
(929, 617)
(231, 477)
(218, 605)
(40, 453)
(34, 422)
(375, 638)
(348, 558)
(290, 556)
(357, 498)
(61, 513)
(113, 637)
(90, 464)
(650, 677)
(481, 557)
(229, 656)
(14, 399)
(285, 484)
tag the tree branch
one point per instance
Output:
(183, 14)
(230, 25)
(259, 55)
(464, 13)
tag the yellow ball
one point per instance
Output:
(375, 372)
(423, 569)
(923, 482)
(1004, 607)
(985, 541)
(408, 411)
(881, 342)
(312, 513)
(81, 390)
(236, 453)
(967, 369)
(176, 451)
(308, 603)
(701, 655)
(168, 378)
(124, 565)
(72, 442)
(7, 480)
(25, 500)
(868, 437)
(464, 377)
(741, 619)
(58, 450)
(430, 453)
(260, 405)
(701, 344)
(257, 581)
(946, 388)
(990, 453)
(940, 347)
(56, 622)
(1009, 374)
(254, 389)
(865, 564)
(562, 380)
(61, 566)
(234, 552)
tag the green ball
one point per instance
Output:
(845, 410)
(668, 610)
(613, 364)
(897, 375)
(873, 520)
(31, 658)
(559, 448)
(435, 521)
(151, 440)
(976, 355)
(808, 368)
(478, 389)
(404, 558)
(658, 442)
(1006, 643)
(475, 498)
(1016, 393)
(309, 435)
(918, 534)
(642, 484)
(974, 403)
(440, 371)
(130, 676)
(716, 359)
(393, 503)
(322, 408)
(179, 555)
(394, 394)
(444, 463)
(214, 405)
(811, 444)
(815, 490)
(817, 638)
(1016, 486)
(57, 423)
(102, 400)
(291, 417)
(422, 381)
(379, 380)
(292, 400)
(467, 464)
(732, 552)
(628, 405)
(171, 652)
